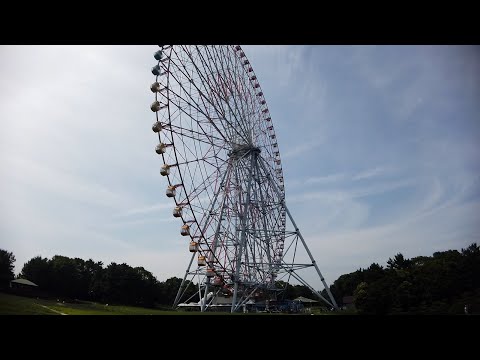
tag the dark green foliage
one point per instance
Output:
(122, 284)
(69, 278)
(39, 271)
(346, 285)
(6, 268)
(441, 284)
(169, 290)
(398, 263)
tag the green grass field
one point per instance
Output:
(19, 305)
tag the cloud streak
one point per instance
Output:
(370, 173)
(300, 149)
(57, 182)
(144, 210)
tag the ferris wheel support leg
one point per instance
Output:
(297, 230)
(267, 239)
(179, 292)
(244, 301)
(327, 288)
(243, 234)
(204, 302)
(304, 283)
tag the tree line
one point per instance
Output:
(442, 283)
(75, 278)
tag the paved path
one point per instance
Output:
(58, 312)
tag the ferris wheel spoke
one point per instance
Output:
(177, 130)
(215, 90)
(205, 159)
(202, 137)
(208, 216)
(255, 100)
(198, 195)
(198, 190)
(239, 114)
(197, 105)
(239, 89)
(207, 136)
(214, 242)
(204, 97)
(198, 123)
(199, 153)
(200, 156)
(227, 79)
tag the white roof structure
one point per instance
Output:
(24, 282)
(305, 300)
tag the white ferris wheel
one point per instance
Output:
(221, 161)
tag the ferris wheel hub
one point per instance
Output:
(241, 150)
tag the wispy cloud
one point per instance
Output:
(370, 173)
(332, 178)
(345, 192)
(40, 177)
(381, 188)
(143, 221)
(155, 208)
(297, 150)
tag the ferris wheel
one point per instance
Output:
(221, 161)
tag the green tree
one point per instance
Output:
(398, 262)
(373, 273)
(404, 295)
(94, 274)
(346, 284)
(66, 276)
(169, 290)
(146, 287)
(6, 268)
(441, 283)
(470, 268)
(360, 296)
(39, 271)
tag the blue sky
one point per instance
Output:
(379, 146)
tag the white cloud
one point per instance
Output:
(326, 195)
(39, 177)
(147, 209)
(332, 178)
(143, 221)
(374, 172)
(294, 151)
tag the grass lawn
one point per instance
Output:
(19, 305)
(12, 305)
